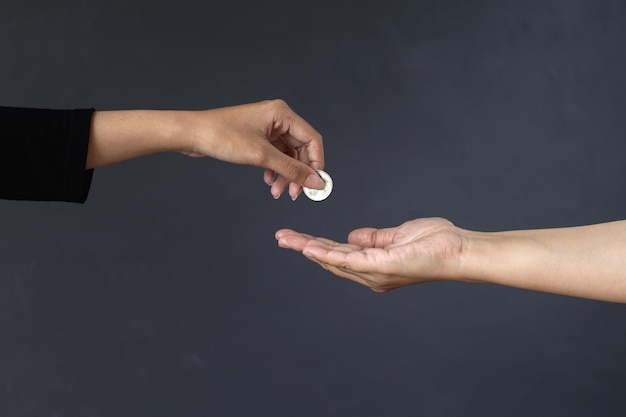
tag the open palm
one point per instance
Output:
(417, 251)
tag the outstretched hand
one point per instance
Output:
(417, 251)
(267, 134)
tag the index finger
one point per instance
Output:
(301, 133)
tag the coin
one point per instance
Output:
(319, 195)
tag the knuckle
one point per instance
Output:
(277, 105)
(279, 102)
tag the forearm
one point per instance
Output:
(586, 261)
(120, 135)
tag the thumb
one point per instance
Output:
(371, 238)
(294, 170)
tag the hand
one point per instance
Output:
(384, 259)
(266, 134)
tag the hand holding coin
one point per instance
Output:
(319, 195)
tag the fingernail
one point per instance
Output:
(297, 195)
(276, 197)
(314, 181)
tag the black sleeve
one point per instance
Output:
(43, 154)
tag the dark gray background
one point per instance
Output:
(166, 295)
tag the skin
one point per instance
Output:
(267, 134)
(586, 261)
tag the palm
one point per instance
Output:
(383, 259)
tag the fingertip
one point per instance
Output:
(282, 232)
(285, 243)
(357, 234)
(275, 191)
(294, 191)
(314, 181)
(362, 237)
(278, 186)
(268, 177)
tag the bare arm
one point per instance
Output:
(586, 261)
(266, 134)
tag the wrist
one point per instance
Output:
(512, 258)
(197, 133)
(174, 130)
(479, 256)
